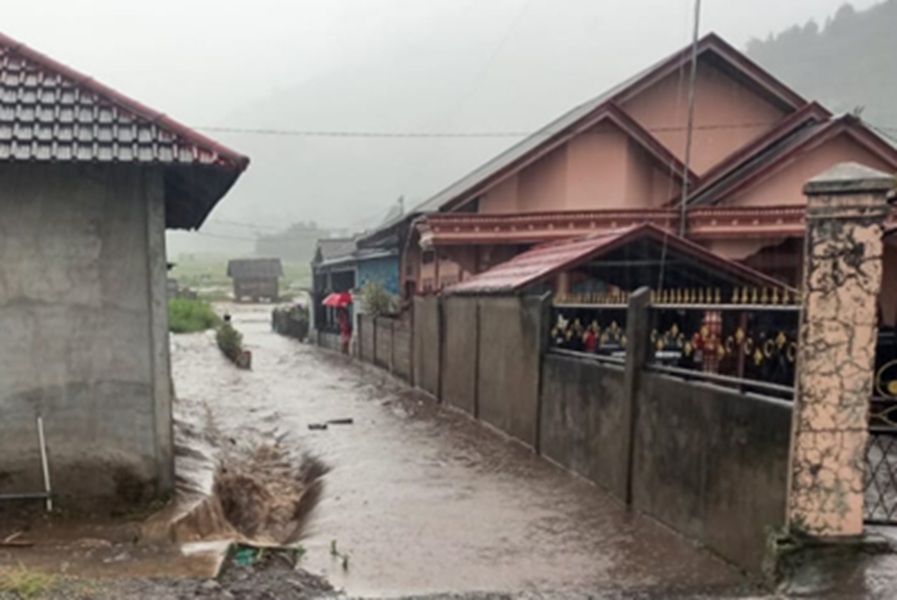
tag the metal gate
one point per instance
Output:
(881, 450)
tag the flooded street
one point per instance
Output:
(421, 500)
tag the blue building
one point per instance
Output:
(380, 265)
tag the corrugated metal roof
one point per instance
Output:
(546, 260)
(51, 113)
(263, 268)
(333, 248)
(532, 266)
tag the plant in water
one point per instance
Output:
(189, 316)
(230, 341)
(375, 299)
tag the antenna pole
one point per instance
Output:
(683, 223)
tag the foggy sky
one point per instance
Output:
(385, 65)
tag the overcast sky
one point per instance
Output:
(199, 60)
(461, 65)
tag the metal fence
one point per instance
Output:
(751, 346)
(881, 449)
(747, 341)
(590, 324)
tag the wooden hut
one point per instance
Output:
(255, 278)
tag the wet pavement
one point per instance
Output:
(423, 500)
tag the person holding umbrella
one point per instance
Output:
(340, 301)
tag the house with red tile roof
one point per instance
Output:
(619, 161)
(89, 181)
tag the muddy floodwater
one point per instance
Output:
(420, 499)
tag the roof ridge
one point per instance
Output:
(123, 102)
(520, 151)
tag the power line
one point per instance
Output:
(224, 237)
(692, 79)
(459, 134)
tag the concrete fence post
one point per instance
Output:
(374, 341)
(392, 346)
(846, 212)
(638, 328)
(360, 337)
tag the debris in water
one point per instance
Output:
(323, 426)
(245, 555)
(13, 541)
(267, 497)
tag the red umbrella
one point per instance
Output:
(338, 299)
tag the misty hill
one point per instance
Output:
(847, 63)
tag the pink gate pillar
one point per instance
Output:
(846, 212)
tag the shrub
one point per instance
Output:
(188, 315)
(375, 299)
(230, 341)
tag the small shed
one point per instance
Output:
(255, 278)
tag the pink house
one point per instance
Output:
(617, 161)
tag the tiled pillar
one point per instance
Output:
(842, 277)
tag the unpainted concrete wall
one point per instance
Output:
(383, 344)
(509, 363)
(401, 348)
(459, 364)
(583, 421)
(366, 338)
(712, 464)
(84, 332)
(427, 344)
(329, 341)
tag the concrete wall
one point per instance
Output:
(582, 422)
(712, 464)
(461, 345)
(401, 348)
(509, 358)
(365, 342)
(329, 341)
(383, 343)
(427, 344)
(83, 321)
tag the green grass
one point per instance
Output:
(207, 275)
(190, 316)
(26, 584)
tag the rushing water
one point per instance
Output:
(419, 498)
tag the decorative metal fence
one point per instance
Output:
(881, 451)
(747, 340)
(592, 324)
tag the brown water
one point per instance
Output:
(421, 499)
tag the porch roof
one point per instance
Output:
(630, 257)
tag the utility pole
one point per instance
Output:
(683, 215)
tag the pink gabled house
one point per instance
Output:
(618, 161)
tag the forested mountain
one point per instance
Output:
(848, 63)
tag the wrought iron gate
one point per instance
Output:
(881, 451)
